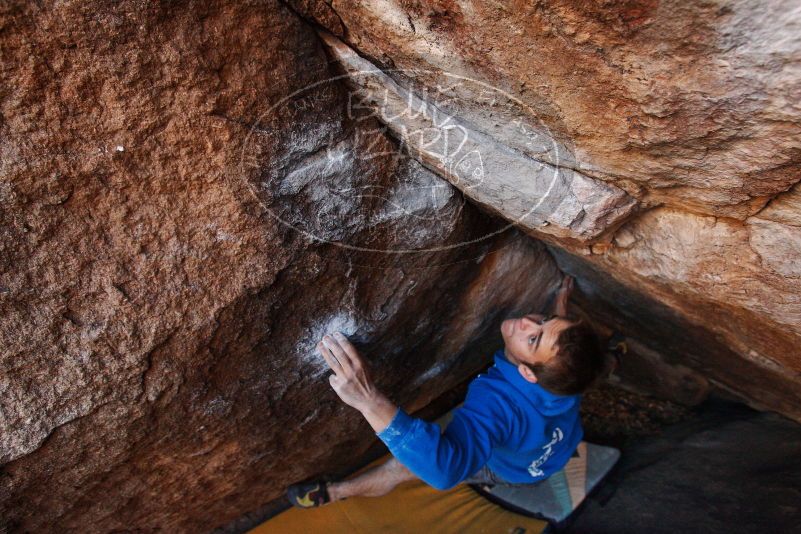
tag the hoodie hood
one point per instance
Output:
(544, 401)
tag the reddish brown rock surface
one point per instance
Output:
(188, 204)
(690, 108)
(157, 367)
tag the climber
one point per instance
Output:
(519, 422)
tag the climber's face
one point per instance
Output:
(532, 339)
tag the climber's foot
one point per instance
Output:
(308, 494)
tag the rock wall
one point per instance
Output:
(691, 109)
(193, 192)
(187, 206)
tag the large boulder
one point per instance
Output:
(691, 109)
(193, 193)
(188, 205)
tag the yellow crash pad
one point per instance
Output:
(412, 507)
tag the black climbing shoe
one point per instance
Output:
(308, 494)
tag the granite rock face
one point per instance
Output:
(187, 207)
(193, 193)
(688, 105)
(691, 109)
(528, 184)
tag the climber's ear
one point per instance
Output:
(527, 373)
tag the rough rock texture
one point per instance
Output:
(182, 219)
(189, 201)
(689, 104)
(691, 108)
(531, 187)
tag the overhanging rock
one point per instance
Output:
(535, 188)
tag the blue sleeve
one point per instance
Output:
(442, 460)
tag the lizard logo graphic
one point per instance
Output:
(534, 469)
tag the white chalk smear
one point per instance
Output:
(312, 363)
(431, 373)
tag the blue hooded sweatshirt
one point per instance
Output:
(520, 431)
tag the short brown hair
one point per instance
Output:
(578, 362)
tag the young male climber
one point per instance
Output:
(519, 422)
